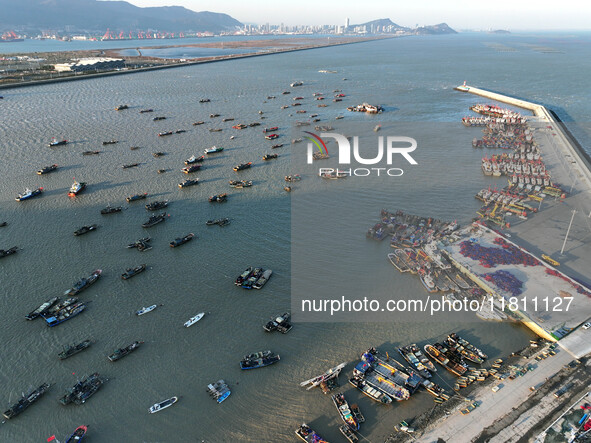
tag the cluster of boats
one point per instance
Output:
(280, 323)
(219, 390)
(83, 390)
(253, 278)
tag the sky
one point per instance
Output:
(459, 14)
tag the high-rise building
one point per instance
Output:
(347, 23)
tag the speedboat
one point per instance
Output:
(194, 320)
(146, 310)
(163, 405)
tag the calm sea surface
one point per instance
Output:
(412, 77)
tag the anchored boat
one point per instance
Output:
(163, 405)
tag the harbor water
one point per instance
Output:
(413, 78)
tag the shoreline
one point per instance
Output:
(176, 64)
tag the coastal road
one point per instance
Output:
(460, 428)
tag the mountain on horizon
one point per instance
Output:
(94, 15)
(441, 28)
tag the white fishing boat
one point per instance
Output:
(145, 310)
(194, 320)
(163, 405)
(331, 373)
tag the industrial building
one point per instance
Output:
(91, 64)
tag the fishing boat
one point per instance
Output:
(76, 188)
(158, 154)
(348, 433)
(213, 150)
(242, 166)
(410, 357)
(219, 222)
(398, 262)
(271, 136)
(194, 319)
(427, 280)
(111, 209)
(278, 145)
(74, 349)
(122, 352)
(91, 152)
(190, 169)
(83, 390)
(370, 391)
(421, 357)
(154, 220)
(159, 118)
(293, 178)
(274, 128)
(55, 142)
(42, 309)
(155, 205)
(131, 272)
(298, 83)
(47, 169)
(145, 310)
(240, 184)
(204, 100)
(85, 229)
(7, 252)
(438, 353)
(194, 159)
(251, 280)
(214, 115)
(280, 323)
(164, 133)
(138, 243)
(270, 156)
(110, 142)
(163, 405)
(187, 183)
(180, 131)
(121, 107)
(79, 433)
(65, 314)
(25, 401)
(181, 240)
(84, 283)
(29, 194)
(136, 197)
(215, 129)
(327, 375)
(143, 111)
(244, 276)
(345, 411)
(263, 279)
(307, 434)
(130, 165)
(467, 345)
(258, 360)
(218, 198)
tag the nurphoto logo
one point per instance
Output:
(403, 146)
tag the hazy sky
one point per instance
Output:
(460, 14)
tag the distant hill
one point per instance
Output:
(499, 31)
(441, 28)
(92, 15)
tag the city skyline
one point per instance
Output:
(459, 14)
